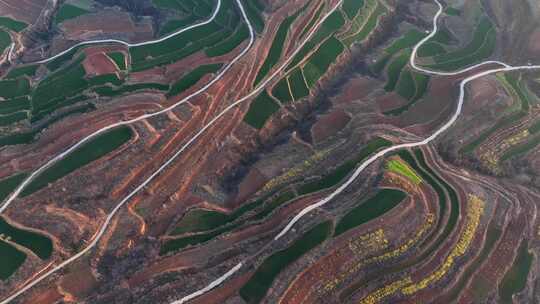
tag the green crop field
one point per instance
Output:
(298, 85)
(6, 120)
(14, 105)
(39, 244)
(351, 7)
(374, 207)
(255, 289)
(401, 168)
(68, 11)
(430, 49)
(8, 184)
(14, 87)
(481, 47)
(200, 220)
(337, 175)
(331, 25)
(173, 25)
(394, 70)
(276, 49)
(281, 91)
(28, 70)
(260, 109)
(119, 59)
(312, 22)
(229, 44)
(192, 78)
(440, 186)
(111, 92)
(5, 40)
(11, 258)
(411, 86)
(368, 27)
(87, 153)
(410, 39)
(12, 24)
(220, 223)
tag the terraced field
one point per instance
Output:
(252, 151)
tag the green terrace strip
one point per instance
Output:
(8, 184)
(28, 70)
(11, 24)
(193, 77)
(337, 175)
(220, 224)
(515, 279)
(382, 202)
(433, 179)
(519, 91)
(512, 85)
(6, 120)
(37, 116)
(28, 137)
(173, 25)
(192, 11)
(400, 167)
(451, 11)
(435, 46)
(11, 258)
(111, 92)
(368, 27)
(394, 70)
(5, 40)
(351, 7)
(312, 22)
(276, 49)
(17, 139)
(298, 84)
(254, 9)
(14, 87)
(65, 87)
(119, 59)
(320, 61)
(14, 105)
(260, 109)
(39, 244)
(425, 175)
(226, 46)
(411, 86)
(68, 11)
(282, 92)
(187, 43)
(330, 26)
(198, 220)
(430, 49)
(60, 61)
(410, 39)
(203, 7)
(481, 47)
(88, 152)
(257, 286)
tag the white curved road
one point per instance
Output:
(129, 45)
(14, 195)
